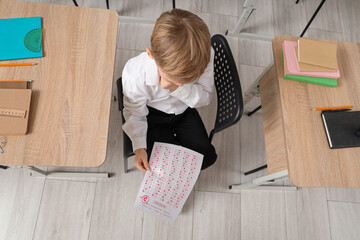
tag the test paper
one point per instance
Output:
(164, 189)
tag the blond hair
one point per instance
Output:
(180, 45)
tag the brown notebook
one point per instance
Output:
(317, 53)
(13, 84)
(14, 108)
(304, 67)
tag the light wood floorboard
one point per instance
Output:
(65, 211)
(32, 208)
(252, 146)
(344, 220)
(226, 169)
(263, 215)
(321, 34)
(261, 20)
(349, 17)
(289, 18)
(69, 3)
(20, 197)
(217, 216)
(307, 214)
(343, 194)
(252, 52)
(190, 5)
(218, 24)
(134, 36)
(225, 7)
(144, 9)
(328, 18)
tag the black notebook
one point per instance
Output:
(342, 128)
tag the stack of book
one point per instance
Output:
(310, 61)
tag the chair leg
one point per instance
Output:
(173, 4)
(211, 135)
(254, 111)
(313, 17)
(107, 4)
(75, 3)
(125, 164)
(255, 170)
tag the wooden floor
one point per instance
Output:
(32, 208)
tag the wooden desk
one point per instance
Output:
(294, 134)
(70, 107)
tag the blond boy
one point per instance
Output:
(163, 86)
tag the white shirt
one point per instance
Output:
(141, 88)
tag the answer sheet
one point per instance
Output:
(164, 189)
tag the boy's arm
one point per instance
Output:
(135, 109)
(199, 93)
(135, 125)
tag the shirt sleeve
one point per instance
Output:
(198, 93)
(135, 109)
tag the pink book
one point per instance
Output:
(292, 68)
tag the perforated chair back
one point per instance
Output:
(127, 145)
(227, 83)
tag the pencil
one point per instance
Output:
(17, 64)
(17, 80)
(330, 108)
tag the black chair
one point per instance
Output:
(227, 83)
(127, 145)
(228, 89)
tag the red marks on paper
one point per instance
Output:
(145, 199)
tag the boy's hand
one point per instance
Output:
(141, 161)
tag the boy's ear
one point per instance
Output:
(149, 53)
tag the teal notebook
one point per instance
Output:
(328, 82)
(20, 38)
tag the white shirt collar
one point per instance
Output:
(151, 72)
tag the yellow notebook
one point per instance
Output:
(317, 53)
(304, 67)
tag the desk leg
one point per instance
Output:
(263, 183)
(253, 90)
(249, 8)
(36, 172)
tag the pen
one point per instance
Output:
(332, 108)
(338, 110)
(17, 64)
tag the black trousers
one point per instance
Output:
(186, 129)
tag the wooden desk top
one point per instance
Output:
(311, 162)
(70, 105)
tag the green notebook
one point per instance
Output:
(328, 82)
